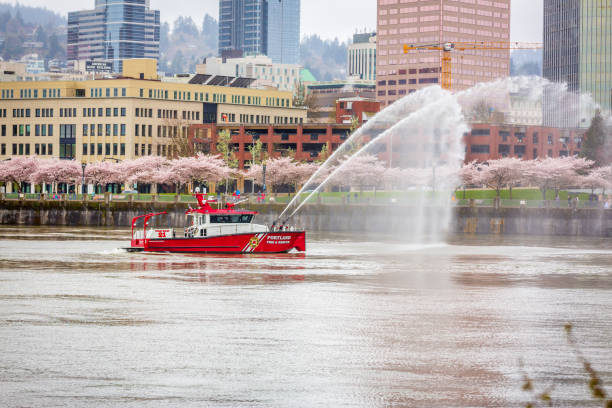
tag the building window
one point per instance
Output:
(480, 149)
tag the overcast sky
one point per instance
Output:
(328, 18)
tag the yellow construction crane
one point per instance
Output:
(448, 48)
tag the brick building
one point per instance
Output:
(486, 142)
(362, 109)
(305, 141)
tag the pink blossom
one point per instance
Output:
(502, 173)
(282, 171)
(58, 171)
(555, 173)
(18, 169)
(103, 173)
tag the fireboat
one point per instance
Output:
(210, 230)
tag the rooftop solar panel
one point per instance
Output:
(220, 80)
(200, 79)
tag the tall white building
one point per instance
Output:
(362, 57)
(284, 77)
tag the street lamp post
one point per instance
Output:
(252, 134)
(264, 177)
(83, 166)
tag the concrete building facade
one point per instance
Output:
(284, 77)
(124, 118)
(362, 57)
(436, 22)
(113, 31)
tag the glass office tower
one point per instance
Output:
(256, 27)
(284, 31)
(243, 26)
(578, 52)
(113, 31)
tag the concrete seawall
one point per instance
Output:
(478, 220)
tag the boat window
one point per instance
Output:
(231, 219)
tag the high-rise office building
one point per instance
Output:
(362, 57)
(256, 27)
(284, 31)
(432, 22)
(243, 26)
(577, 52)
(113, 31)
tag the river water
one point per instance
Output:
(358, 321)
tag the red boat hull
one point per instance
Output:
(262, 243)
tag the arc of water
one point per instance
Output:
(380, 137)
(420, 97)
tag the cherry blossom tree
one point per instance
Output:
(279, 172)
(362, 170)
(57, 171)
(18, 170)
(143, 170)
(469, 174)
(202, 168)
(282, 171)
(497, 174)
(104, 173)
(598, 178)
(555, 173)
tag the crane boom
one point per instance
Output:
(448, 47)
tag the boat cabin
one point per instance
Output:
(204, 221)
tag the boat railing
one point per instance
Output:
(216, 230)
